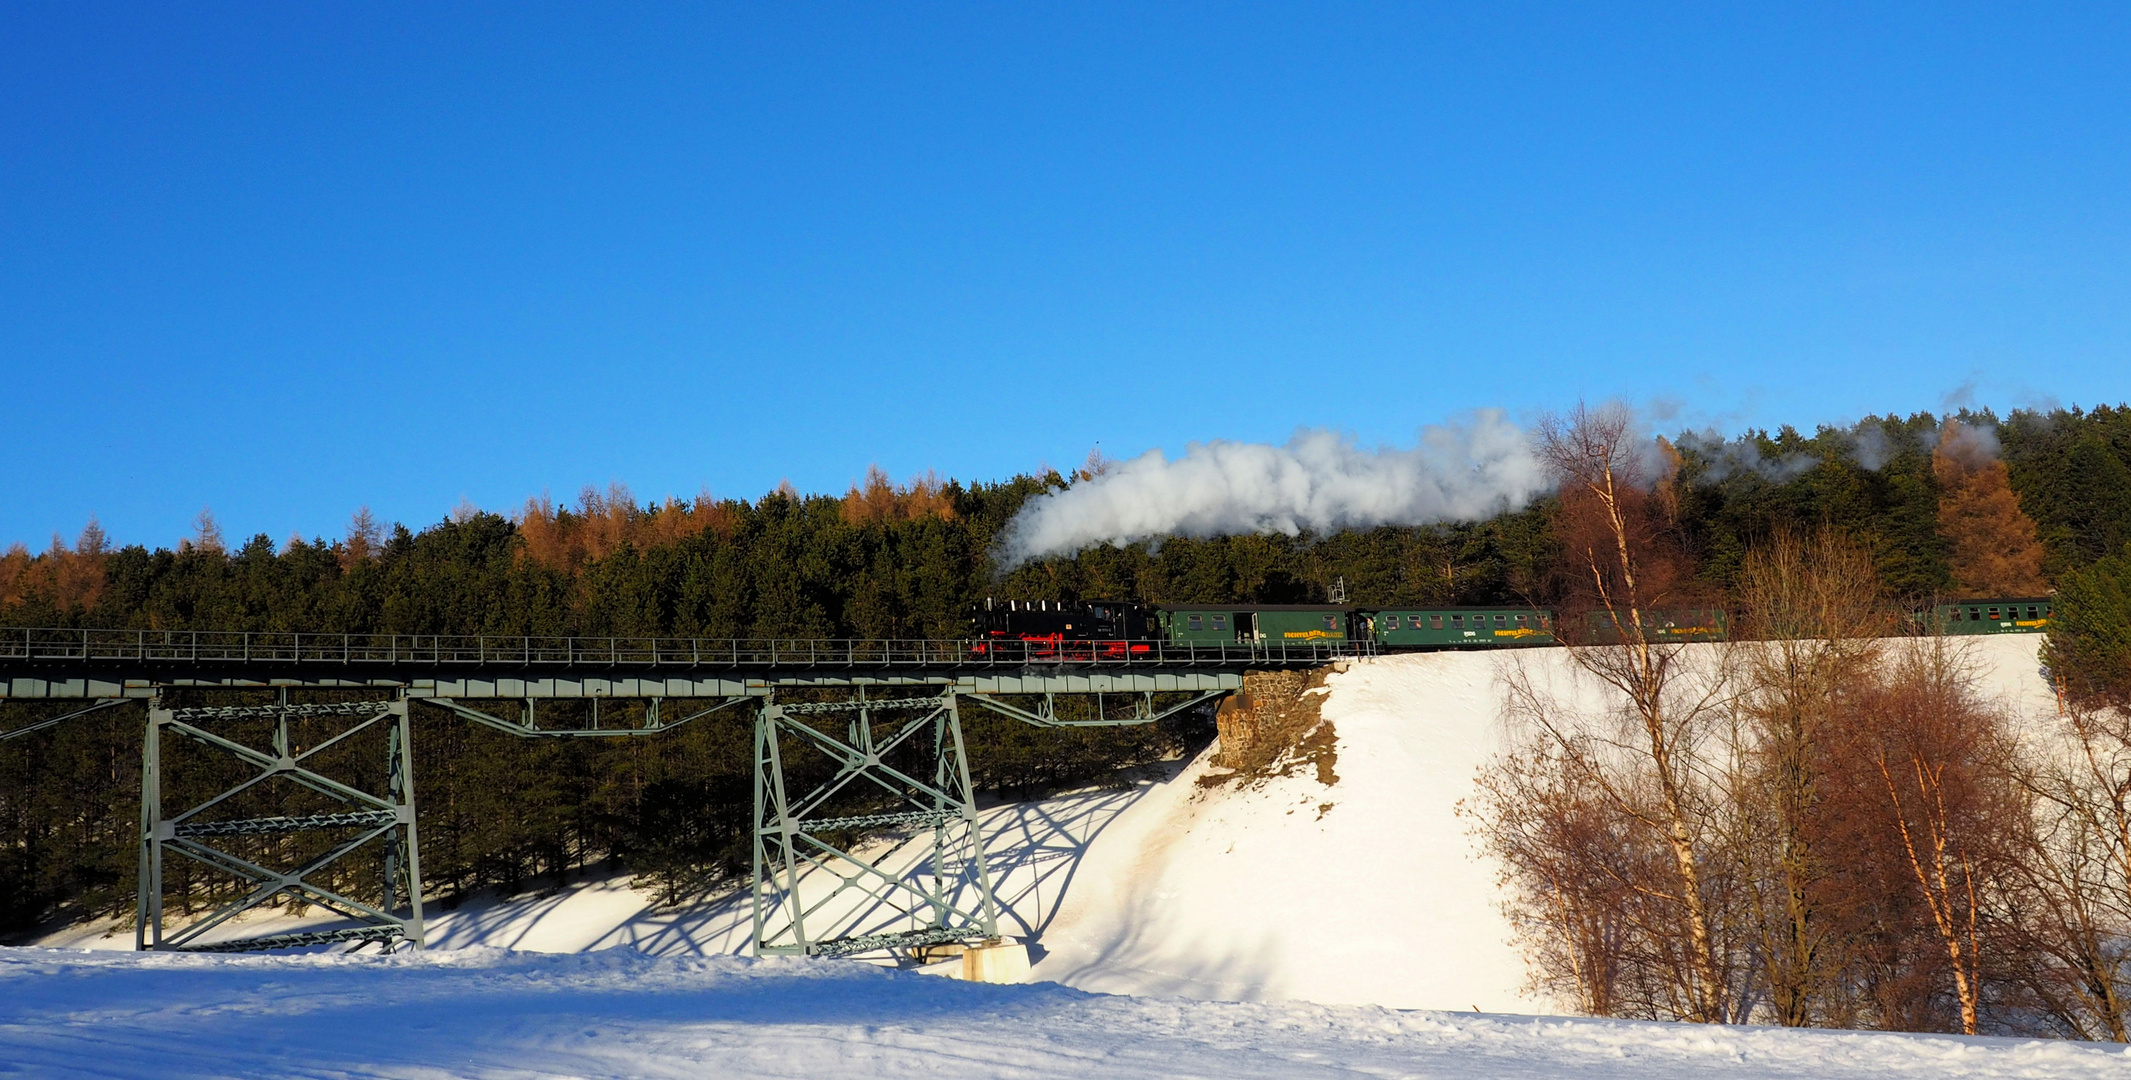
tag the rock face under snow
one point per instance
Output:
(1367, 891)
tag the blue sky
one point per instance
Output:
(284, 260)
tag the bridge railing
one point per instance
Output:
(268, 648)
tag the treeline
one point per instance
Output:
(1948, 507)
(883, 561)
(1824, 822)
(1961, 507)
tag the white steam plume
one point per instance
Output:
(1871, 447)
(1320, 481)
(1730, 457)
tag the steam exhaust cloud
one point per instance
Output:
(1320, 481)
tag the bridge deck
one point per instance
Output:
(46, 663)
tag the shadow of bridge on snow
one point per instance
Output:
(1034, 851)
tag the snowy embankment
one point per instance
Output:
(490, 1013)
(1364, 892)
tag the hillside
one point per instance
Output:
(1365, 891)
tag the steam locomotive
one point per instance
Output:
(1115, 629)
(1102, 629)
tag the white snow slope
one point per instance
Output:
(1366, 891)
(494, 1014)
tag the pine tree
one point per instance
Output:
(2090, 631)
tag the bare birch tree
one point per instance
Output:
(1639, 757)
(1939, 755)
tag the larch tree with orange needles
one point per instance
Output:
(1992, 542)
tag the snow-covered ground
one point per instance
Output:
(1358, 897)
(495, 1014)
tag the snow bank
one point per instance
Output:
(492, 1014)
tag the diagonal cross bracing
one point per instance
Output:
(373, 820)
(527, 723)
(875, 821)
(926, 883)
(270, 712)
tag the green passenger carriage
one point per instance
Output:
(1291, 623)
(2005, 615)
(1666, 624)
(1463, 627)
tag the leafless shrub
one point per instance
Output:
(1811, 608)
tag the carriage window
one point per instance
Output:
(1994, 614)
(1220, 622)
(1435, 622)
(1390, 622)
(1331, 622)
(1520, 620)
(1457, 622)
(1195, 623)
(1499, 620)
(2031, 613)
(1975, 614)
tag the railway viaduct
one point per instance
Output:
(870, 733)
